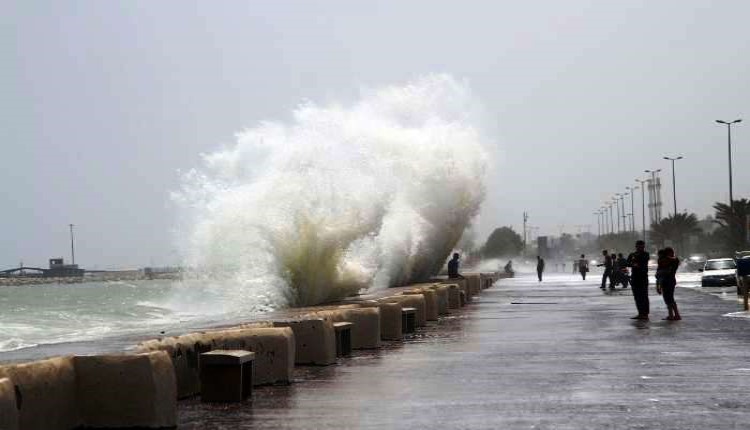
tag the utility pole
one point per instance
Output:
(642, 183)
(525, 219)
(674, 184)
(729, 150)
(72, 246)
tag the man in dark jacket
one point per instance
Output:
(539, 267)
(638, 262)
(607, 270)
(453, 267)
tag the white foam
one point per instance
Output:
(338, 199)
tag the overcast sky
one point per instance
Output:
(103, 102)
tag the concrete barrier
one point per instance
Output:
(365, 324)
(8, 408)
(46, 393)
(390, 319)
(473, 285)
(454, 296)
(441, 291)
(431, 302)
(184, 351)
(126, 390)
(274, 350)
(315, 340)
(416, 301)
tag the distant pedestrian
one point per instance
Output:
(563, 266)
(622, 266)
(583, 266)
(575, 266)
(453, 267)
(509, 267)
(539, 267)
(607, 263)
(615, 276)
(667, 281)
(638, 262)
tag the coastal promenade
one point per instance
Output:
(557, 355)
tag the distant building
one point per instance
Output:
(58, 268)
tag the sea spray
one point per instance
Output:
(339, 199)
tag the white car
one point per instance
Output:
(719, 272)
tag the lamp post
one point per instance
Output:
(611, 219)
(729, 151)
(642, 183)
(617, 204)
(72, 246)
(631, 190)
(624, 213)
(654, 195)
(674, 184)
(598, 224)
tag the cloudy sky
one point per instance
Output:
(104, 102)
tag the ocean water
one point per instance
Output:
(36, 315)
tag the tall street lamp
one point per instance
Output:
(631, 190)
(729, 151)
(643, 204)
(617, 205)
(654, 195)
(72, 246)
(624, 214)
(598, 224)
(611, 219)
(674, 184)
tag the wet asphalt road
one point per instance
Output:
(556, 355)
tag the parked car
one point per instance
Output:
(696, 262)
(719, 272)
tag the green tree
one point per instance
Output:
(503, 241)
(675, 228)
(732, 229)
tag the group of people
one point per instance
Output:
(615, 269)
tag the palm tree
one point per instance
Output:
(675, 228)
(732, 224)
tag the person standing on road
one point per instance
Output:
(638, 262)
(667, 275)
(622, 266)
(539, 267)
(583, 266)
(607, 270)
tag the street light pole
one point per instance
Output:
(643, 205)
(611, 219)
(631, 190)
(674, 184)
(617, 203)
(729, 151)
(72, 247)
(624, 213)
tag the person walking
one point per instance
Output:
(667, 281)
(539, 267)
(583, 266)
(607, 270)
(638, 262)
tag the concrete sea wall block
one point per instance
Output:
(274, 349)
(431, 302)
(416, 301)
(184, 351)
(315, 340)
(45, 393)
(126, 390)
(8, 408)
(454, 296)
(473, 285)
(390, 319)
(441, 291)
(365, 324)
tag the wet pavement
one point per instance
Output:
(557, 355)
